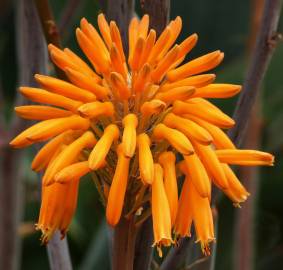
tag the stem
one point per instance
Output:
(265, 44)
(123, 252)
(31, 59)
(49, 27)
(159, 13)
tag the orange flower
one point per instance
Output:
(135, 113)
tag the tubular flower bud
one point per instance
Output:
(39, 95)
(212, 165)
(68, 156)
(65, 89)
(57, 208)
(236, 191)
(86, 82)
(179, 93)
(45, 154)
(96, 109)
(220, 138)
(202, 217)
(217, 91)
(118, 83)
(159, 107)
(184, 218)
(49, 128)
(152, 107)
(245, 157)
(195, 81)
(145, 159)
(161, 218)
(208, 114)
(189, 128)
(199, 65)
(35, 112)
(198, 175)
(167, 161)
(71, 172)
(176, 138)
(118, 188)
(130, 123)
(101, 149)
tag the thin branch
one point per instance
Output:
(31, 59)
(265, 44)
(196, 263)
(158, 11)
(177, 255)
(50, 28)
(58, 253)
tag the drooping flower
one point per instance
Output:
(124, 118)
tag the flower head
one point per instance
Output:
(124, 118)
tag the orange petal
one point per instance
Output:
(68, 156)
(202, 217)
(236, 191)
(116, 38)
(64, 88)
(133, 35)
(184, 216)
(119, 85)
(212, 164)
(220, 138)
(143, 26)
(142, 79)
(95, 109)
(101, 149)
(98, 60)
(198, 65)
(167, 161)
(217, 91)
(92, 34)
(209, 114)
(158, 46)
(145, 159)
(53, 127)
(164, 64)
(130, 123)
(189, 128)
(198, 175)
(87, 83)
(137, 53)
(68, 59)
(117, 63)
(36, 112)
(44, 156)
(148, 45)
(118, 189)
(104, 29)
(187, 45)
(161, 219)
(42, 96)
(176, 138)
(196, 81)
(72, 172)
(245, 157)
(178, 93)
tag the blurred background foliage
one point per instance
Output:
(220, 24)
